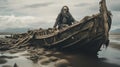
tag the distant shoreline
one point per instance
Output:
(115, 45)
(114, 33)
(7, 33)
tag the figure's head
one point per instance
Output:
(65, 9)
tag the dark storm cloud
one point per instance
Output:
(94, 8)
(81, 5)
(4, 10)
(88, 6)
(38, 5)
(2, 7)
(115, 7)
(46, 11)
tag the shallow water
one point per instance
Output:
(109, 57)
(3, 36)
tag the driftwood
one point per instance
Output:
(88, 34)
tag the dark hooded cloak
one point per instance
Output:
(64, 18)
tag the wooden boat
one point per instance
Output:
(89, 34)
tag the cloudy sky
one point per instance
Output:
(19, 15)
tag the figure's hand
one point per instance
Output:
(75, 22)
(54, 28)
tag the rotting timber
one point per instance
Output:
(89, 34)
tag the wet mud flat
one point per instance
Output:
(41, 57)
(33, 58)
(45, 58)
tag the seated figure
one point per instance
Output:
(64, 18)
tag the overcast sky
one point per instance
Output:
(32, 14)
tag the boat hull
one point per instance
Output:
(89, 34)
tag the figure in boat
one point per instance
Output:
(64, 18)
(89, 34)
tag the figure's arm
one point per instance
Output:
(72, 19)
(55, 24)
(57, 21)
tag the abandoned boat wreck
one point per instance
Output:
(89, 34)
